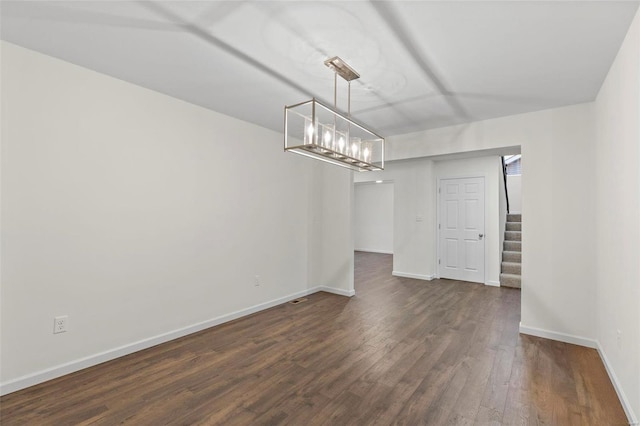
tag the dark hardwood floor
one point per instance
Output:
(401, 351)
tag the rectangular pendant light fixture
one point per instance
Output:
(321, 132)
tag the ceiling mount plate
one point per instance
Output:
(342, 68)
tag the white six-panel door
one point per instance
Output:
(461, 229)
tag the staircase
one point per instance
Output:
(512, 252)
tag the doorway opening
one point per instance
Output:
(511, 262)
(373, 217)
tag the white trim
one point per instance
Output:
(95, 359)
(589, 343)
(492, 283)
(374, 251)
(374, 182)
(416, 276)
(338, 291)
(560, 337)
(626, 405)
(513, 158)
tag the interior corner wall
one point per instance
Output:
(558, 256)
(413, 215)
(617, 236)
(140, 216)
(564, 211)
(373, 217)
(330, 262)
(490, 168)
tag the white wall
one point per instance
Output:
(514, 186)
(141, 216)
(330, 228)
(414, 215)
(373, 218)
(617, 234)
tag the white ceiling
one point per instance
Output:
(423, 64)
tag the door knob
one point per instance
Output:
(480, 236)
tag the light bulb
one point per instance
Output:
(366, 155)
(354, 149)
(327, 137)
(341, 143)
(309, 137)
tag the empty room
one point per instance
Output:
(320, 212)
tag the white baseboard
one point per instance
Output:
(589, 343)
(492, 283)
(95, 359)
(416, 276)
(338, 291)
(374, 251)
(561, 337)
(633, 420)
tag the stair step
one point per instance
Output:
(514, 226)
(511, 256)
(513, 246)
(510, 280)
(512, 217)
(513, 236)
(512, 268)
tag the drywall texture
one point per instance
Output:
(330, 227)
(373, 217)
(514, 186)
(136, 214)
(617, 195)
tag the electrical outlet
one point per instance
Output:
(60, 324)
(256, 281)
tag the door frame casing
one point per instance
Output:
(439, 180)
